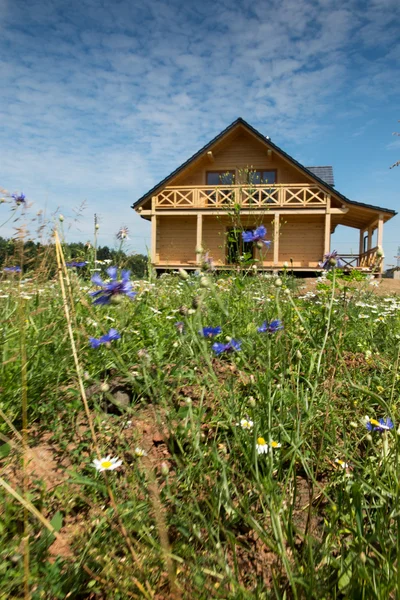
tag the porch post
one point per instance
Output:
(327, 239)
(276, 239)
(153, 248)
(199, 235)
(361, 248)
(379, 241)
(370, 232)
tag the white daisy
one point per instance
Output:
(275, 445)
(262, 446)
(140, 451)
(246, 424)
(107, 463)
(341, 463)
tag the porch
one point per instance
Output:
(300, 219)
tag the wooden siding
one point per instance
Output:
(301, 238)
(176, 240)
(243, 151)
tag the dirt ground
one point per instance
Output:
(385, 287)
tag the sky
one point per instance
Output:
(101, 99)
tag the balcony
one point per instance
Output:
(244, 196)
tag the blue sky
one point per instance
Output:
(102, 99)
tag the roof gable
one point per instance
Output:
(321, 175)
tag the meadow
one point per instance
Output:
(144, 456)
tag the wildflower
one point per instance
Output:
(231, 346)
(246, 424)
(272, 327)
(140, 452)
(105, 339)
(123, 233)
(107, 463)
(257, 235)
(209, 332)
(19, 198)
(275, 444)
(380, 425)
(278, 282)
(12, 269)
(77, 264)
(61, 218)
(180, 326)
(204, 282)
(342, 464)
(331, 259)
(112, 289)
(262, 446)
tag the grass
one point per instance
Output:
(199, 513)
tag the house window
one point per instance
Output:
(237, 248)
(260, 177)
(219, 178)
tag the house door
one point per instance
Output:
(237, 251)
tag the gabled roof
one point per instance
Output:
(268, 142)
(324, 173)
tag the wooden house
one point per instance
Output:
(239, 181)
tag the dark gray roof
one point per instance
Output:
(324, 173)
(262, 137)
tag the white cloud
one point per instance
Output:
(101, 102)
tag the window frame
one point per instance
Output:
(264, 171)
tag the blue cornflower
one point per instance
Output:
(380, 425)
(19, 198)
(257, 235)
(113, 288)
(74, 263)
(231, 346)
(12, 269)
(332, 259)
(272, 327)
(105, 339)
(209, 332)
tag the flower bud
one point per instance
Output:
(278, 282)
(287, 291)
(332, 262)
(104, 387)
(205, 282)
(260, 245)
(252, 401)
(97, 227)
(183, 310)
(285, 265)
(116, 299)
(61, 218)
(164, 468)
(184, 275)
(379, 252)
(199, 250)
(299, 355)
(196, 302)
(363, 557)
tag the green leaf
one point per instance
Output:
(57, 521)
(5, 450)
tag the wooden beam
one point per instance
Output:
(370, 232)
(276, 239)
(327, 237)
(379, 242)
(256, 211)
(361, 246)
(199, 235)
(153, 249)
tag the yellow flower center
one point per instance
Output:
(374, 422)
(275, 444)
(106, 464)
(261, 441)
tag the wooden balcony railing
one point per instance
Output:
(370, 259)
(245, 196)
